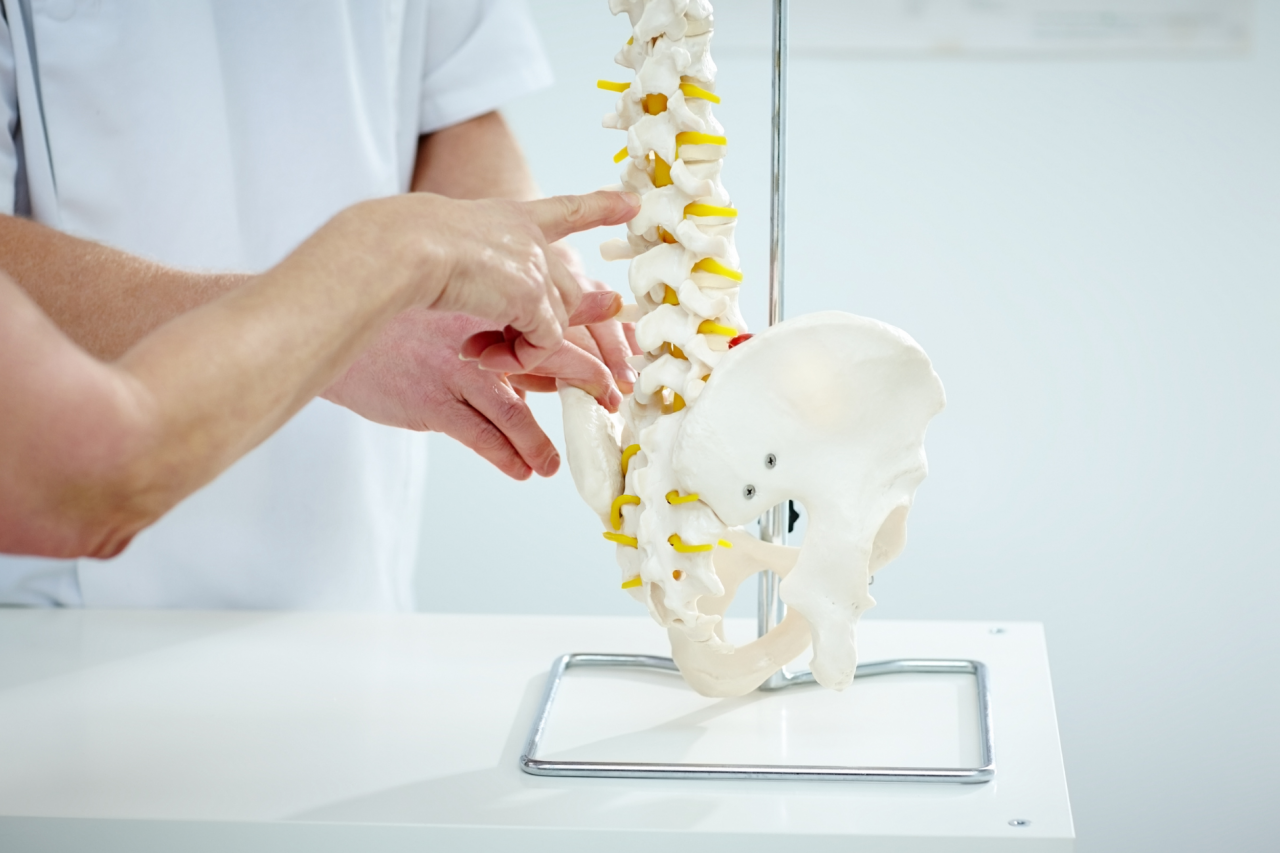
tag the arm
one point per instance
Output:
(91, 453)
(106, 301)
(103, 299)
(479, 158)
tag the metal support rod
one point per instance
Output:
(778, 186)
(769, 608)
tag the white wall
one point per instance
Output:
(1089, 250)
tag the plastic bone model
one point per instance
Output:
(828, 409)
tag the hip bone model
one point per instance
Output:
(828, 409)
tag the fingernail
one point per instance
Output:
(626, 375)
(632, 199)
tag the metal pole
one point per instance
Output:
(770, 609)
(778, 194)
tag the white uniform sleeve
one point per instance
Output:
(479, 54)
(8, 118)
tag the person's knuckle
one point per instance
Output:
(539, 265)
(574, 208)
(489, 438)
(524, 311)
(510, 411)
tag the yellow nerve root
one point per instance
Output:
(631, 450)
(697, 208)
(620, 156)
(615, 87)
(674, 497)
(713, 266)
(707, 327)
(724, 543)
(622, 539)
(682, 548)
(693, 137)
(677, 403)
(669, 295)
(615, 511)
(632, 583)
(692, 91)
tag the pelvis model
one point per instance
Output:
(828, 409)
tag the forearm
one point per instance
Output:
(230, 373)
(93, 453)
(479, 158)
(103, 299)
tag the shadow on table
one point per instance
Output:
(503, 795)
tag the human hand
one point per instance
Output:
(578, 341)
(607, 341)
(412, 377)
(490, 259)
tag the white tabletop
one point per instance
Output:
(262, 731)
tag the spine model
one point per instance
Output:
(685, 276)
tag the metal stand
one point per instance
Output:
(530, 763)
(770, 607)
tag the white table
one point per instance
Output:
(140, 731)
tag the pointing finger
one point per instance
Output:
(562, 215)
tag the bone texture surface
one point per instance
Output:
(828, 410)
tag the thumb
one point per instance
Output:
(562, 215)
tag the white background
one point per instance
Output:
(1089, 250)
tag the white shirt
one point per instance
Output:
(217, 134)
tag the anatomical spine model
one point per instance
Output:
(828, 409)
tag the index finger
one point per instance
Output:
(562, 215)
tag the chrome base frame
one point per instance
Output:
(530, 763)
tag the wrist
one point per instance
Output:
(398, 240)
